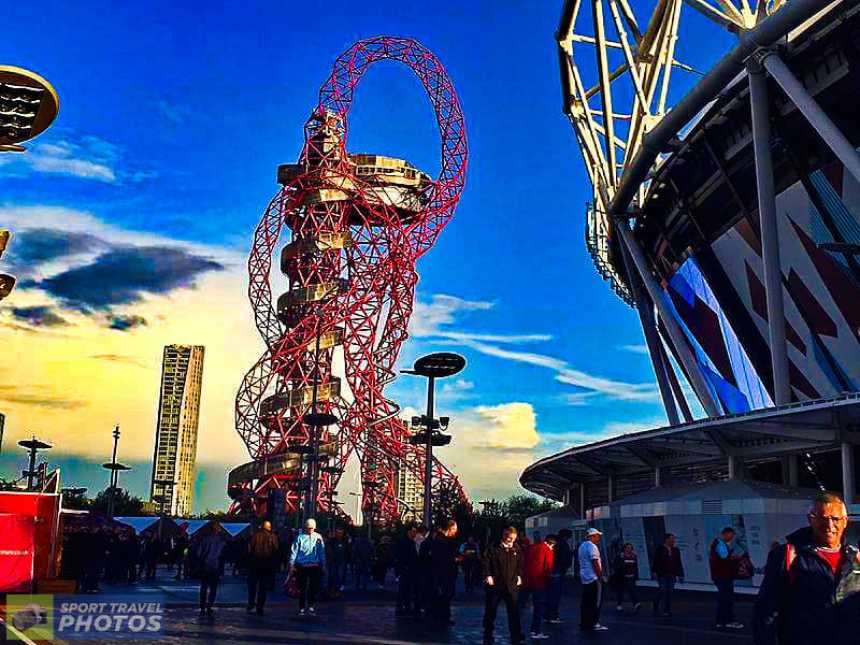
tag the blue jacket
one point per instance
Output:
(807, 604)
(308, 550)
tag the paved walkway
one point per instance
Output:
(369, 618)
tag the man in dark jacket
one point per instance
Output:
(666, 566)
(811, 587)
(207, 558)
(502, 567)
(562, 561)
(440, 553)
(262, 559)
(405, 565)
(723, 563)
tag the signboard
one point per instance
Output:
(17, 552)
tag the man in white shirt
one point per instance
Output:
(591, 575)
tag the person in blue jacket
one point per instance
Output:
(307, 562)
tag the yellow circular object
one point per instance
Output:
(28, 105)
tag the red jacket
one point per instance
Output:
(537, 566)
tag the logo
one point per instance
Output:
(95, 618)
(30, 617)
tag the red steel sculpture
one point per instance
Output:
(357, 225)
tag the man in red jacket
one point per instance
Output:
(537, 571)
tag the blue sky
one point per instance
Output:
(173, 120)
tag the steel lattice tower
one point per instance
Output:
(357, 225)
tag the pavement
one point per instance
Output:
(368, 617)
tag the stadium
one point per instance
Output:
(730, 220)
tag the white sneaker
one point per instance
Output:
(301, 612)
(619, 608)
(536, 636)
(555, 621)
(312, 610)
(734, 625)
(601, 628)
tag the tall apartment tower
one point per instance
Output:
(176, 429)
(409, 490)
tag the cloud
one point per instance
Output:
(122, 322)
(619, 390)
(39, 316)
(635, 349)
(89, 158)
(428, 318)
(458, 390)
(38, 397)
(36, 246)
(579, 398)
(123, 275)
(119, 358)
(86, 157)
(504, 426)
(555, 441)
(172, 111)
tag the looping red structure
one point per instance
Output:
(358, 224)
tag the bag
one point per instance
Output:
(744, 568)
(291, 586)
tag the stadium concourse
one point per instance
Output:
(726, 214)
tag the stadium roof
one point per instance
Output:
(806, 426)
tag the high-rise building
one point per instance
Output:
(176, 429)
(410, 491)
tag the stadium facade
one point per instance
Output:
(731, 222)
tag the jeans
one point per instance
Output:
(208, 589)
(405, 591)
(725, 601)
(665, 585)
(628, 588)
(491, 605)
(259, 580)
(589, 611)
(308, 580)
(335, 576)
(553, 596)
(538, 608)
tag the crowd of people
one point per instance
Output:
(811, 583)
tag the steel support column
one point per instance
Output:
(769, 232)
(680, 397)
(790, 470)
(697, 381)
(658, 476)
(645, 310)
(810, 109)
(848, 473)
(582, 501)
(736, 467)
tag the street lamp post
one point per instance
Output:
(114, 467)
(33, 446)
(432, 366)
(30, 106)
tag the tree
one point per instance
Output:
(123, 503)
(517, 508)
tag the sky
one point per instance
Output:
(133, 217)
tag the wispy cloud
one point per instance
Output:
(89, 158)
(564, 373)
(554, 441)
(86, 157)
(37, 396)
(119, 358)
(635, 349)
(428, 319)
(173, 112)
